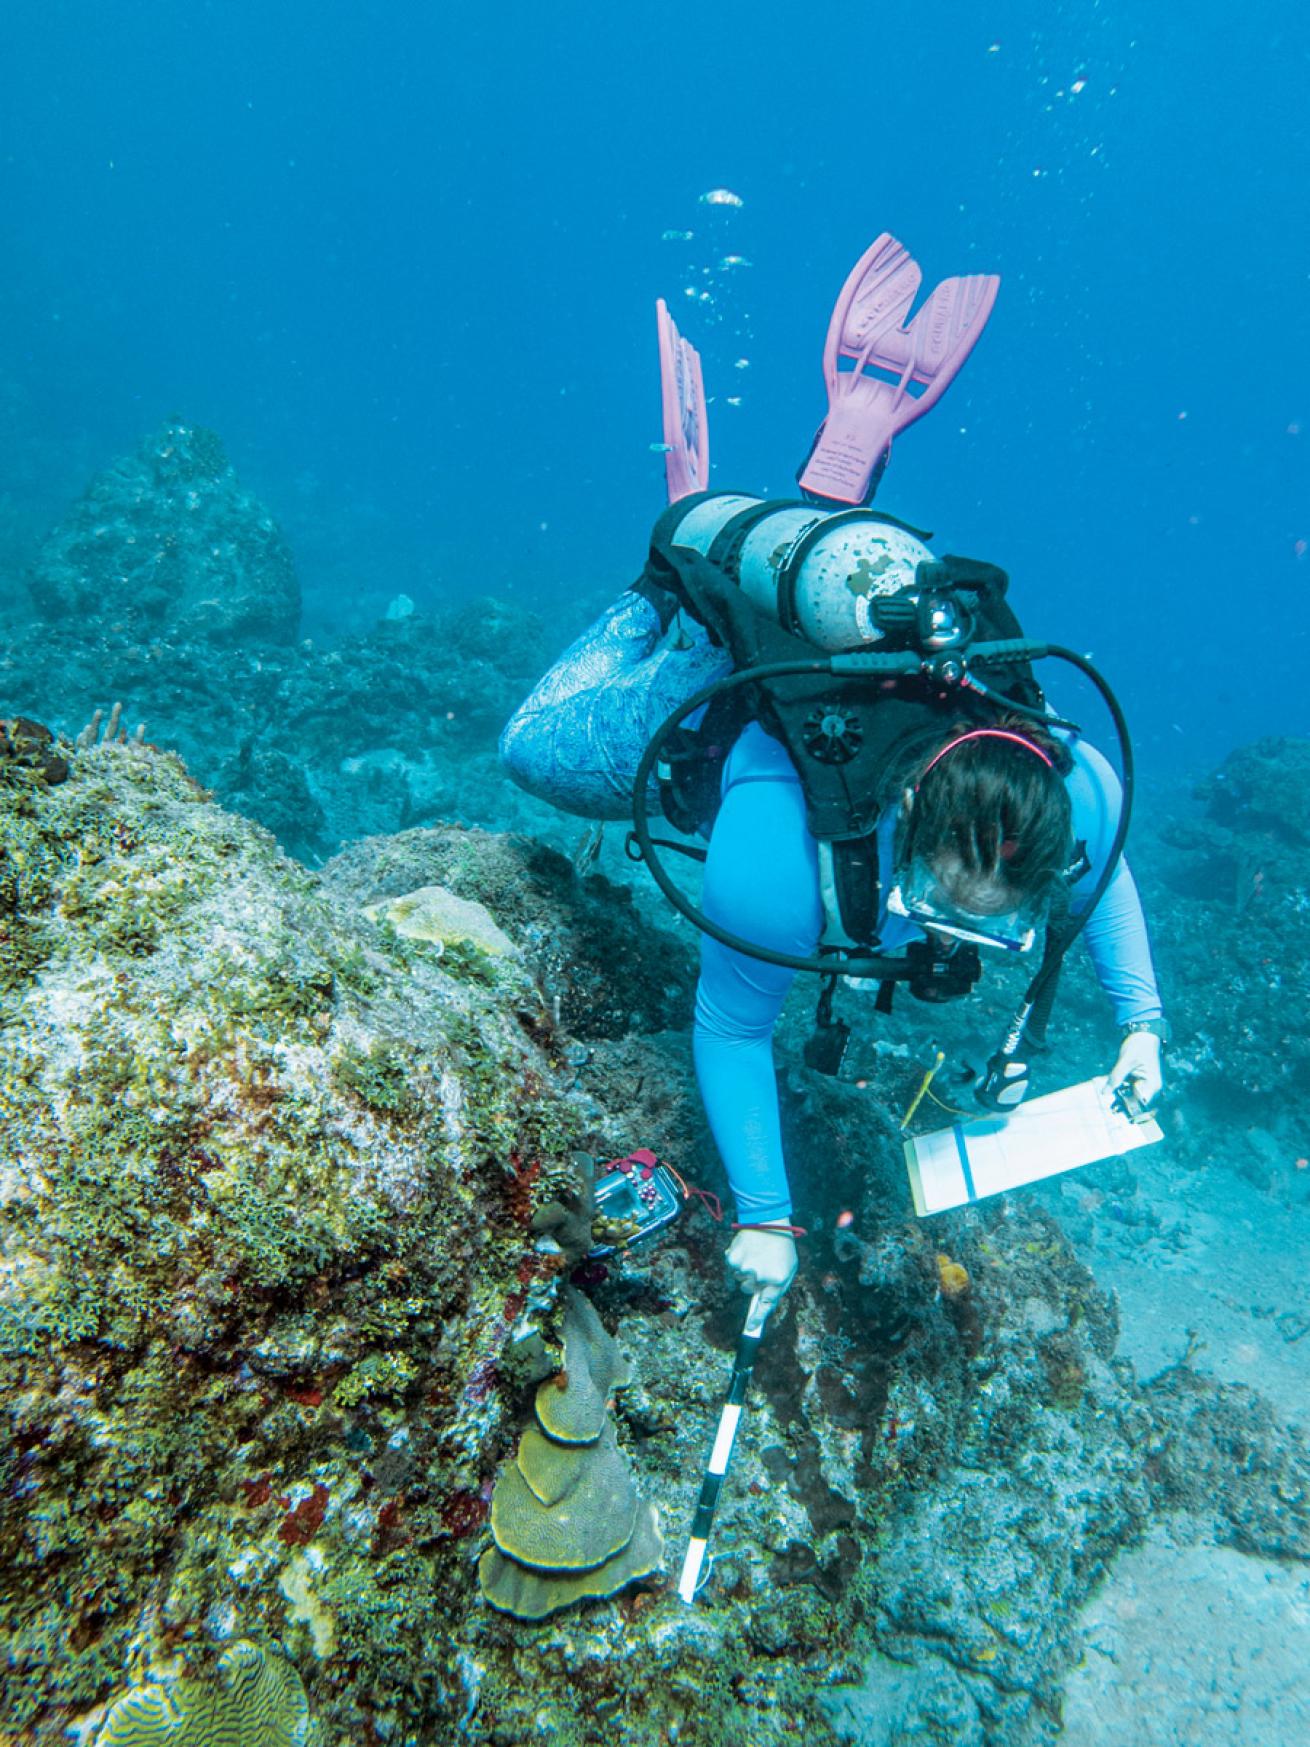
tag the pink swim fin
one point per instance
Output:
(682, 390)
(868, 332)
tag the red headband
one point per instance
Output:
(985, 734)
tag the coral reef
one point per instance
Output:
(1238, 875)
(296, 1170)
(321, 745)
(1264, 788)
(170, 585)
(1221, 1455)
(264, 1242)
(296, 1193)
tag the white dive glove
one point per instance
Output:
(1138, 1061)
(764, 1261)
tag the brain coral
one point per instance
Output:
(255, 1700)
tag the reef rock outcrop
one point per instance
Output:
(266, 1209)
(167, 539)
(1234, 938)
(609, 975)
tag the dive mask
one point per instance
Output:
(919, 897)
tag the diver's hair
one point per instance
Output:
(997, 809)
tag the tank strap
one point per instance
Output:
(725, 549)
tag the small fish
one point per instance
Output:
(730, 261)
(742, 364)
(734, 400)
(676, 237)
(721, 197)
(587, 851)
(660, 448)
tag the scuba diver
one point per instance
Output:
(856, 729)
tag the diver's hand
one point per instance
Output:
(1138, 1062)
(764, 1261)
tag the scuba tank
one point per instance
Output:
(826, 576)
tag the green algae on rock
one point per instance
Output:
(265, 1235)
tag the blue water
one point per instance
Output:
(404, 258)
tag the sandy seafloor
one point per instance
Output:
(1188, 1643)
(1201, 1644)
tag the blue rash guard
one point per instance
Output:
(762, 882)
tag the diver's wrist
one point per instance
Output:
(1160, 1028)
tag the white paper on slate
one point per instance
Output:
(986, 1154)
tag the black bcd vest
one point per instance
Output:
(850, 737)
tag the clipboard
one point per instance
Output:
(984, 1155)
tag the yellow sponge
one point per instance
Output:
(441, 917)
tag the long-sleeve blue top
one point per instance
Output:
(762, 882)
